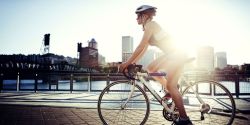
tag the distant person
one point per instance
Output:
(172, 61)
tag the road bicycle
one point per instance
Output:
(125, 102)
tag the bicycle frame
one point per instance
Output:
(141, 76)
(138, 82)
(196, 93)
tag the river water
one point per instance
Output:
(99, 85)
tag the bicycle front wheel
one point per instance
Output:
(117, 105)
(209, 102)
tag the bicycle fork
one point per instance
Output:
(132, 89)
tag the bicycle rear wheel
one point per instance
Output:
(111, 102)
(214, 103)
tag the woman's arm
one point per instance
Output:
(139, 52)
(142, 47)
(140, 55)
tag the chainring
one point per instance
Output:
(169, 116)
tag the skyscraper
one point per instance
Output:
(220, 60)
(127, 47)
(205, 58)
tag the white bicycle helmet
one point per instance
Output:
(143, 8)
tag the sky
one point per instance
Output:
(222, 24)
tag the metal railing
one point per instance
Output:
(91, 82)
(52, 81)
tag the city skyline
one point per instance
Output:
(224, 25)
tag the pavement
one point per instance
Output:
(77, 108)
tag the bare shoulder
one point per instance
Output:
(152, 25)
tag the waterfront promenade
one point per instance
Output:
(77, 108)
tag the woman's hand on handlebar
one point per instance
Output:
(123, 66)
(126, 69)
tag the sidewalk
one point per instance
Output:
(78, 108)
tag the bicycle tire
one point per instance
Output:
(219, 104)
(113, 97)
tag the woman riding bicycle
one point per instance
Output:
(172, 61)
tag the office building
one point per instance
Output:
(89, 55)
(127, 47)
(220, 60)
(205, 58)
(101, 60)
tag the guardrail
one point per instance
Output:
(17, 81)
(92, 82)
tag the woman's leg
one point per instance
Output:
(174, 69)
(154, 67)
(173, 78)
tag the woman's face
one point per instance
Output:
(139, 19)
